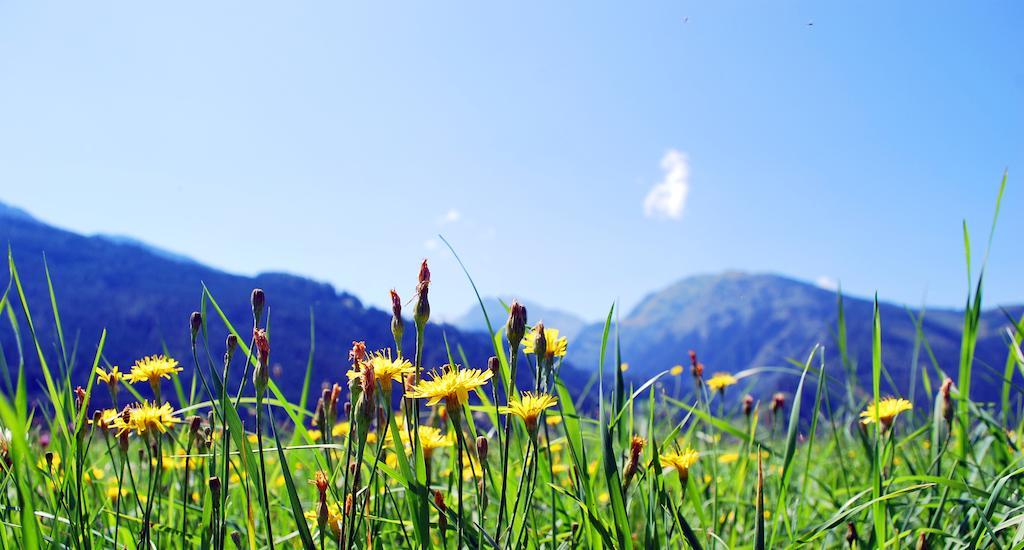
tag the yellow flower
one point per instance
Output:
(341, 429)
(728, 458)
(385, 369)
(603, 498)
(314, 435)
(93, 474)
(676, 370)
(111, 378)
(528, 407)
(107, 417)
(113, 494)
(886, 412)
(681, 461)
(624, 367)
(151, 369)
(432, 439)
(452, 385)
(555, 346)
(553, 420)
(720, 381)
(145, 419)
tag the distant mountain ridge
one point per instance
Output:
(143, 297)
(738, 320)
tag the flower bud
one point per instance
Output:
(442, 511)
(357, 353)
(947, 402)
(258, 300)
(397, 324)
(540, 342)
(778, 402)
(515, 328)
(636, 446)
(851, 533)
(214, 483)
(696, 368)
(493, 365)
(481, 448)
(195, 322)
(236, 538)
(81, 398)
(194, 425)
(231, 344)
(748, 405)
(422, 312)
(259, 336)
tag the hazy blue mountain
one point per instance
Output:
(737, 321)
(143, 297)
(568, 324)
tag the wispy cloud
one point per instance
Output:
(826, 282)
(667, 198)
(451, 216)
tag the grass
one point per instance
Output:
(801, 470)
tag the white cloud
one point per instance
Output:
(668, 197)
(451, 216)
(826, 282)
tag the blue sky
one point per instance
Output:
(337, 141)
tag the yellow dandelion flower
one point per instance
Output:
(145, 419)
(624, 367)
(431, 439)
(556, 346)
(682, 461)
(151, 369)
(728, 458)
(886, 412)
(676, 370)
(553, 420)
(107, 417)
(603, 498)
(113, 494)
(314, 435)
(451, 385)
(385, 369)
(111, 378)
(528, 407)
(721, 380)
(341, 429)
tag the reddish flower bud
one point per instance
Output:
(357, 353)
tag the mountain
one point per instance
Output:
(737, 321)
(143, 297)
(568, 324)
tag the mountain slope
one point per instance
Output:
(737, 321)
(144, 297)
